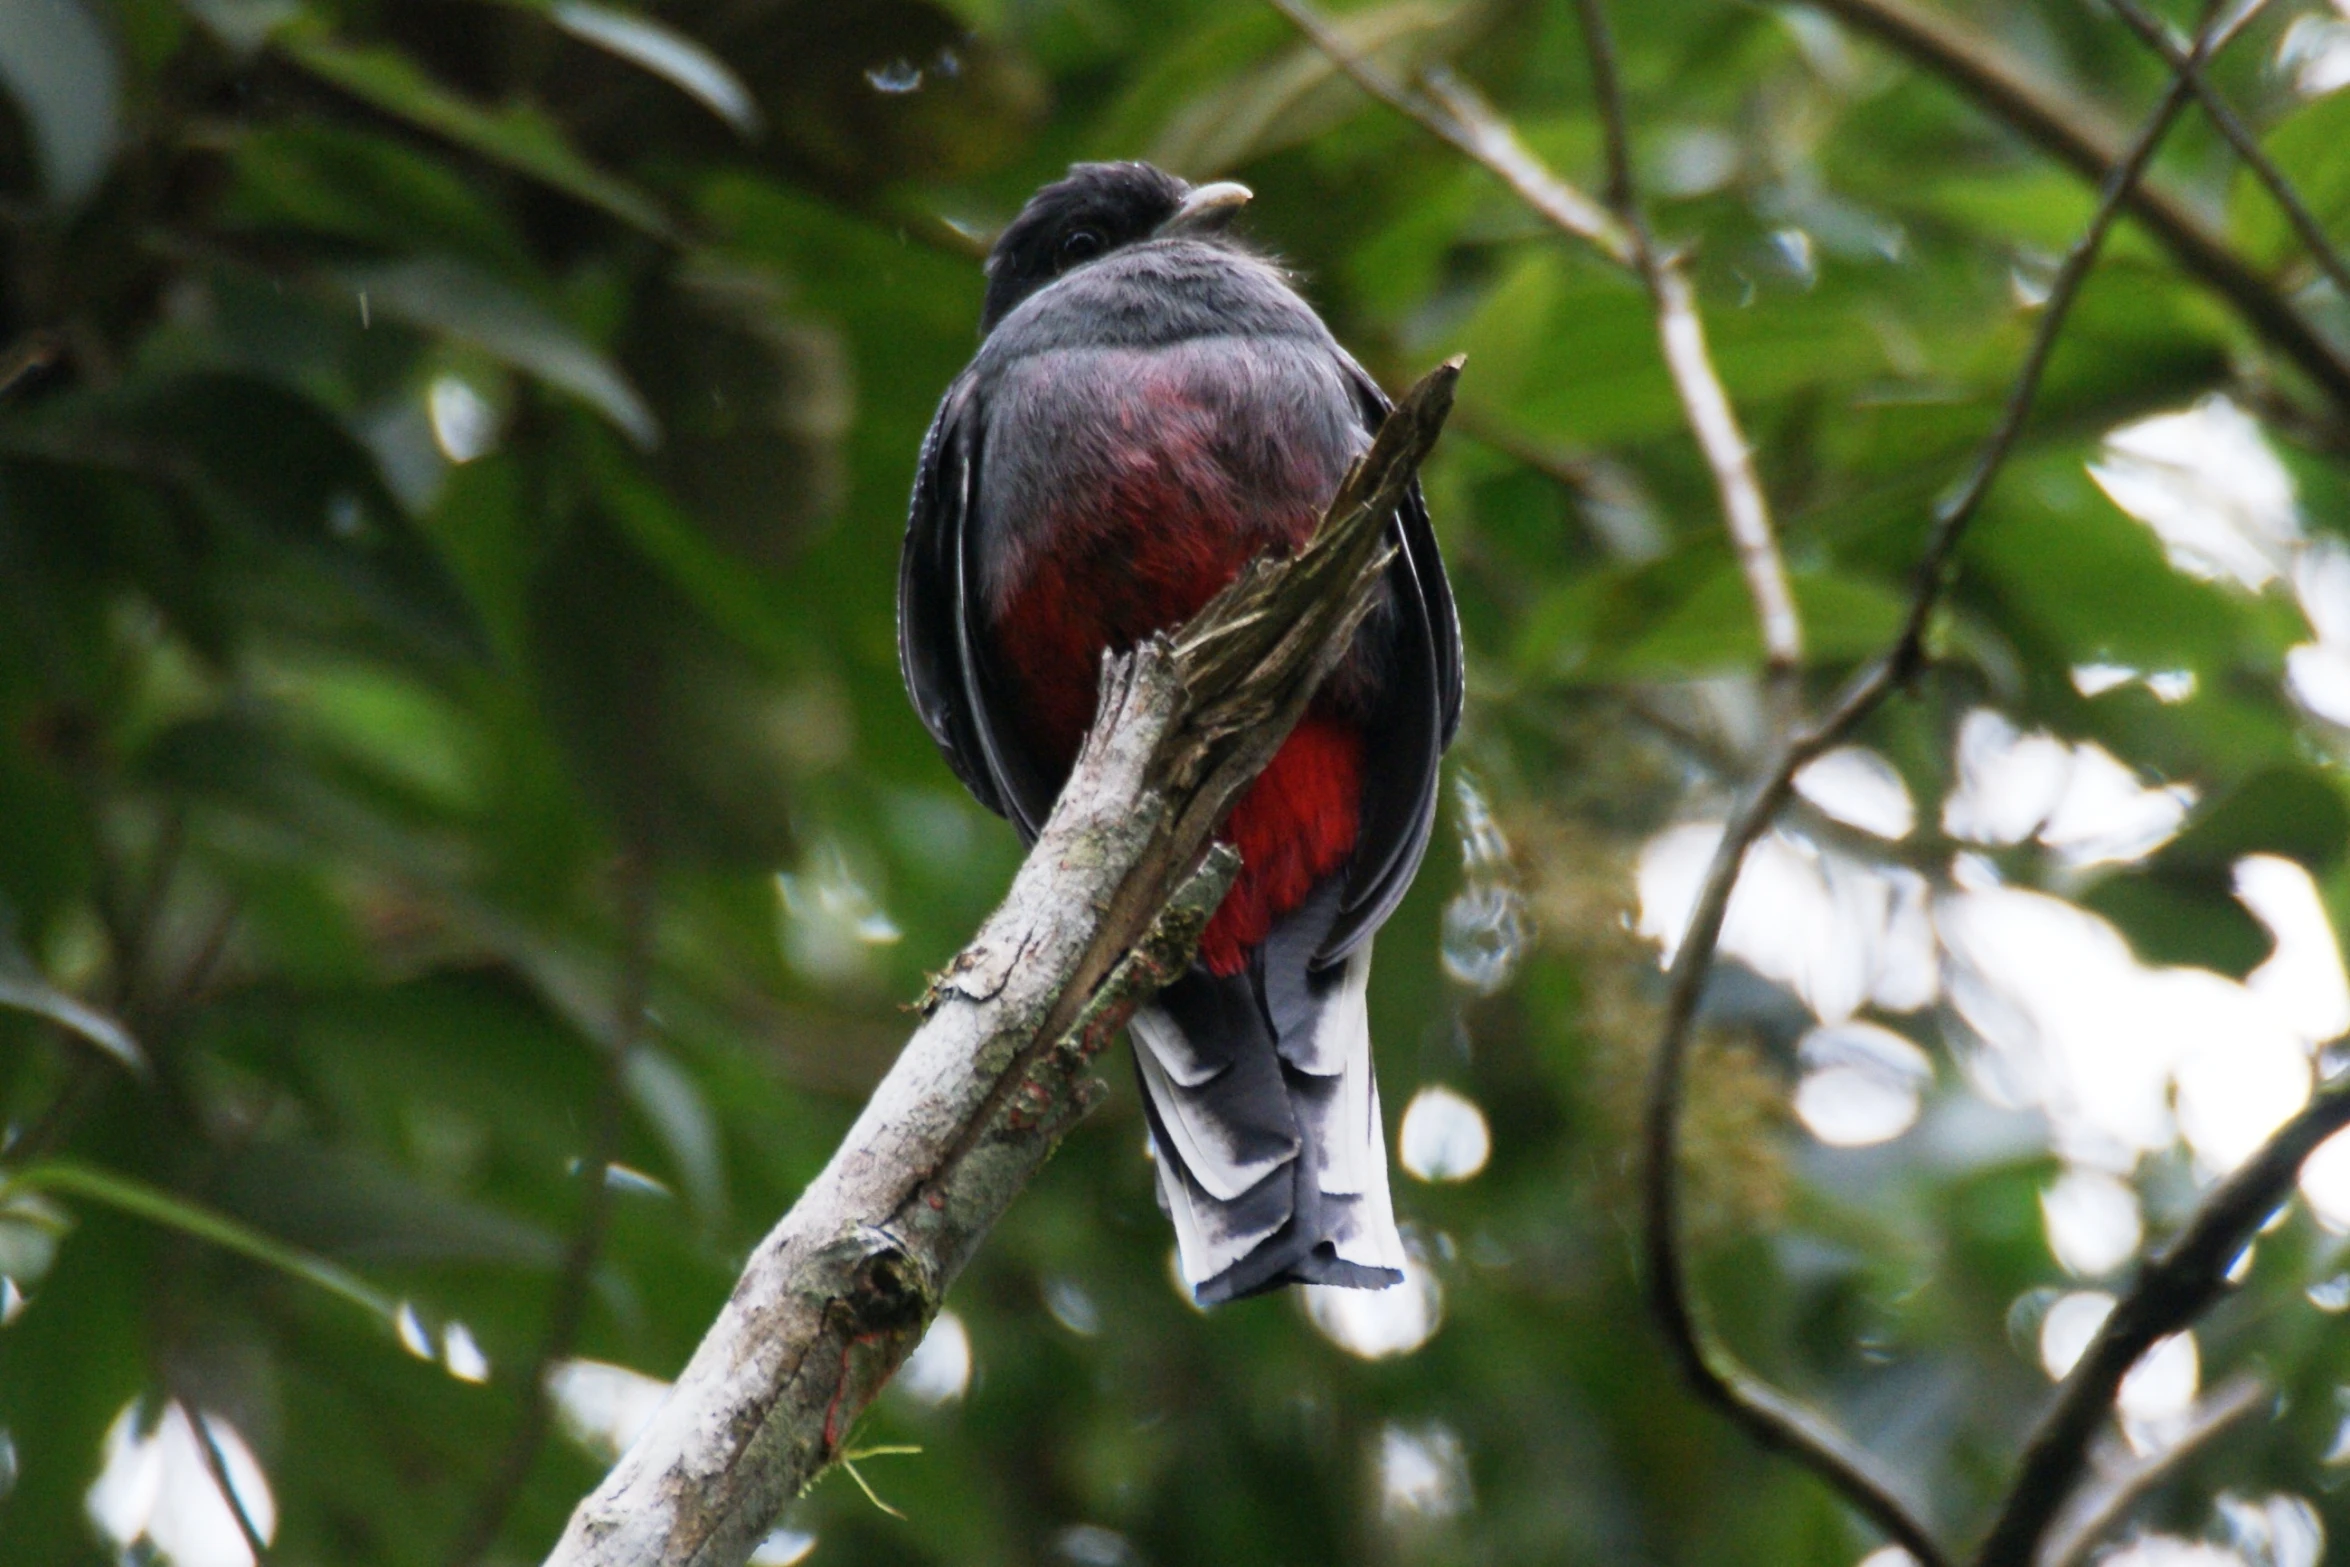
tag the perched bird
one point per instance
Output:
(1152, 405)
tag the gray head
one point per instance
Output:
(1096, 209)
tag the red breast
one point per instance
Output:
(1157, 529)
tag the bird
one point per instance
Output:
(1152, 405)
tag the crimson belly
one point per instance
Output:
(1142, 553)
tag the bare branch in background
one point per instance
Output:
(1453, 114)
(2054, 119)
(216, 1465)
(1682, 334)
(2239, 136)
(2124, 1478)
(567, 1307)
(2173, 1288)
(1453, 111)
(1105, 909)
(1763, 1412)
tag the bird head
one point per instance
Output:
(1096, 209)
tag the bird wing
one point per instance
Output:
(941, 653)
(1419, 711)
(1417, 535)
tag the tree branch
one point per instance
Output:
(1453, 111)
(2172, 1289)
(2239, 136)
(1681, 333)
(216, 1465)
(2054, 119)
(1106, 908)
(1764, 1413)
(2125, 1477)
(1458, 118)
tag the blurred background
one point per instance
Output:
(452, 462)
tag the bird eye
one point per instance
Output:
(1080, 245)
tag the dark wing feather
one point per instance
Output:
(940, 650)
(1419, 710)
(1418, 537)
(930, 593)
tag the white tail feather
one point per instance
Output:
(1352, 1145)
(1331, 1098)
(1202, 1248)
(1370, 1236)
(1204, 1144)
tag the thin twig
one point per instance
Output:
(568, 1308)
(2171, 1290)
(1681, 332)
(1744, 512)
(1451, 110)
(2056, 121)
(1452, 116)
(2224, 119)
(1763, 1412)
(2126, 1478)
(216, 1462)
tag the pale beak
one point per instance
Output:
(1207, 209)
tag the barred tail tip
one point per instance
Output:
(1271, 1154)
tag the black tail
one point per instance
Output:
(1265, 1122)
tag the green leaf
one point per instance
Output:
(1298, 93)
(516, 137)
(59, 65)
(23, 988)
(282, 477)
(358, 185)
(2040, 206)
(81, 1351)
(2059, 557)
(393, 728)
(2184, 918)
(2180, 907)
(2295, 812)
(444, 295)
(666, 53)
(670, 1101)
(717, 584)
(341, 1201)
(1844, 618)
(1690, 614)
(457, 1100)
(1567, 347)
(2309, 150)
(141, 1201)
